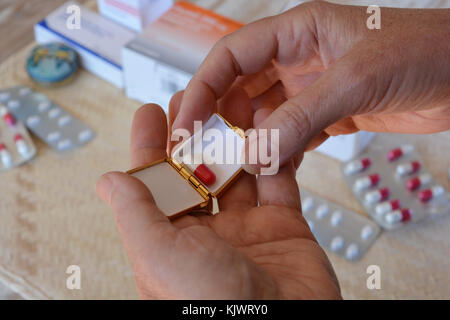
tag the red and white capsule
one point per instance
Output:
(403, 215)
(5, 155)
(417, 182)
(408, 168)
(367, 182)
(387, 206)
(428, 194)
(398, 152)
(21, 145)
(357, 166)
(377, 195)
(7, 117)
(205, 175)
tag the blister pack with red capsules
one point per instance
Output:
(16, 146)
(394, 187)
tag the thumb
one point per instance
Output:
(141, 224)
(288, 130)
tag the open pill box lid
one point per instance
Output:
(175, 187)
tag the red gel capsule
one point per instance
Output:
(2, 146)
(428, 194)
(366, 162)
(398, 152)
(406, 215)
(384, 193)
(17, 137)
(205, 175)
(415, 165)
(395, 204)
(374, 179)
(425, 195)
(394, 154)
(413, 184)
(9, 119)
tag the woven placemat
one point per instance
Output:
(50, 216)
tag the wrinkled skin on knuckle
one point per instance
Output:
(296, 36)
(296, 119)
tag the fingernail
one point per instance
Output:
(251, 169)
(249, 155)
(175, 124)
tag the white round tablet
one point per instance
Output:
(366, 232)
(84, 135)
(307, 204)
(64, 120)
(64, 144)
(352, 251)
(53, 113)
(43, 106)
(53, 136)
(13, 104)
(33, 120)
(322, 211)
(24, 91)
(336, 218)
(337, 243)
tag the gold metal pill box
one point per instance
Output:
(175, 188)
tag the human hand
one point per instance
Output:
(246, 251)
(317, 70)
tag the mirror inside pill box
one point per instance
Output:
(202, 166)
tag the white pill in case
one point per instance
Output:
(337, 229)
(52, 124)
(173, 181)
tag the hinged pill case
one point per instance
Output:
(175, 187)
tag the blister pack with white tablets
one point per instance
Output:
(52, 124)
(16, 146)
(394, 187)
(337, 229)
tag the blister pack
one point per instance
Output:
(55, 126)
(16, 146)
(394, 187)
(337, 229)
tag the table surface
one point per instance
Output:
(50, 217)
(17, 18)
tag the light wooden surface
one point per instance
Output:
(17, 18)
(51, 218)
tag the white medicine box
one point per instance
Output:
(163, 58)
(134, 14)
(98, 41)
(346, 147)
(176, 185)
